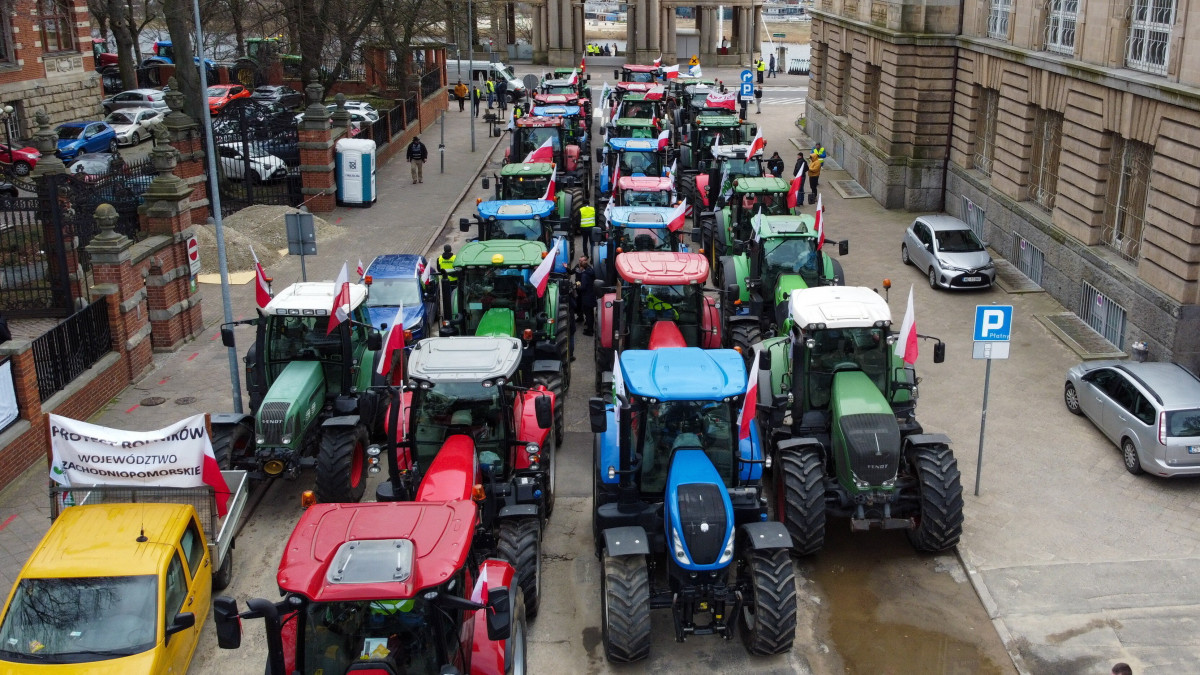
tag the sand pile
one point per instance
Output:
(261, 226)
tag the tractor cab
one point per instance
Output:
(702, 100)
(529, 145)
(645, 191)
(560, 78)
(635, 229)
(744, 198)
(642, 106)
(531, 133)
(521, 181)
(525, 220)
(713, 184)
(556, 88)
(531, 182)
(701, 140)
(577, 118)
(632, 127)
(630, 157)
(677, 87)
(637, 73)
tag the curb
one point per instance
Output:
(989, 605)
(439, 232)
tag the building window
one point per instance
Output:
(8, 54)
(58, 25)
(844, 84)
(1150, 35)
(998, 19)
(974, 216)
(985, 130)
(1060, 26)
(1103, 315)
(1129, 182)
(873, 82)
(1047, 142)
(1028, 258)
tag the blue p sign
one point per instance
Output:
(993, 323)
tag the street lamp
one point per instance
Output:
(5, 115)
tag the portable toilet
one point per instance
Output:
(355, 172)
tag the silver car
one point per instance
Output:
(1151, 411)
(948, 252)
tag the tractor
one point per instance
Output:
(781, 256)
(632, 127)
(386, 589)
(630, 229)
(526, 220)
(648, 105)
(531, 133)
(844, 437)
(678, 517)
(738, 203)
(702, 100)
(312, 404)
(699, 140)
(658, 301)
(578, 118)
(164, 52)
(476, 392)
(645, 191)
(631, 72)
(526, 181)
(629, 157)
(728, 163)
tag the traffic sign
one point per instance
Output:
(987, 349)
(747, 76)
(993, 323)
(747, 90)
(193, 253)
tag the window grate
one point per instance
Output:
(973, 216)
(1047, 142)
(873, 82)
(1129, 177)
(1061, 16)
(985, 130)
(1148, 45)
(999, 19)
(1103, 315)
(1029, 258)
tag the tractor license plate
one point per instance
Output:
(1194, 449)
(972, 280)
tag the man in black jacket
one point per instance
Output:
(585, 294)
(775, 165)
(417, 154)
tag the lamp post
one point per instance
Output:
(5, 115)
(470, 66)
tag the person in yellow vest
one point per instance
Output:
(815, 160)
(446, 262)
(658, 309)
(587, 222)
(762, 68)
(490, 87)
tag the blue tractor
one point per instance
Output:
(679, 520)
(634, 157)
(526, 220)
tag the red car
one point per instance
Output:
(221, 95)
(22, 159)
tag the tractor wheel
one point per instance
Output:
(342, 464)
(233, 443)
(554, 382)
(800, 499)
(687, 192)
(550, 462)
(562, 340)
(604, 361)
(515, 663)
(519, 542)
(625, 594)
(725, 272)
(939, 524)
(768, 620)
(224, 575)
(743, 336)
(839, 276)
(574, 207)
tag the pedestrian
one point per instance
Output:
(460, 92)
(417, 154)
(587, 224)
(446, 263)
(490, 87)
(475, 97)
(1122, 669)
(585, 294)
(771, 67)
(758, 93)
(775, 165)
(502, 94)
(762, 68)
(815, 160)
(801, 169)
(614, 49)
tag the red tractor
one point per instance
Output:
(529, 136)
(645, 191)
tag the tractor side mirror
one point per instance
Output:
(181, 622)
(374, 341)
(229, 624)
(464, 225)
(939, 352)
(844, 247)
(732, 292)
(487, 183)
(499, 614)
(603, 131)
(617, 74)
(227, 336)
(599, 155)
(597, 415)
(697, 236)
(598, 288)
(543, 412)
(596, 235)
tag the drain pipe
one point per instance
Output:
(962, 7)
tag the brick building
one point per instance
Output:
(46, 62)
(1066, 133)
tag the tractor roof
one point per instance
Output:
(464, 359)
(530, 170)
(756, 184)
(502, 253)
(662, 268)
(638, 122)
(554, 99)
(650, 217)
(684, 373)
(642, 96)
(838, 307)
(638, 68)
(535, 121)
(516, 209)
(557, 82)
(768, 227)
(645, 183)
(314, 296)
(352, 552)
(557, 110)
(686, 81)
(635, 86)
(718, 121)
(731, 151)
(634, 144)
(564, 71)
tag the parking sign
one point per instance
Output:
(993, 323)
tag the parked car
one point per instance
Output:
(395, 281)
(284, 147)
(8, 193)
(949, 253)
(357, 107)
(23, 160)
(263, 165)
(283, 95)
(1151, 411)
(220, 95)
(133, 126)
(136, 98)
(78, 137)
(93, 165)
(260, 120)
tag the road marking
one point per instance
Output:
(783, 101)
(135, 407)
(7, 521)
(193, 356)
(164, 380)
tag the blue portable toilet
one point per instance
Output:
(355, 172)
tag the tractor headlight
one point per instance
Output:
(287, 439)
(727, 554)
(677, 548)
(531, 448)
(373, 450)
(261, 440)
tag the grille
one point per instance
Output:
(873, 444)
(272, 421)
(702, 504)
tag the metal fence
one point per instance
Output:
(1028, 258)
(64, 352)
(411, 109)
(258, 157)
(396, 119)
(1103, 315)
(431, 82)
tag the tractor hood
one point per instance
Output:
(867, 437)
(293, 401)
(786, 284)
(700, 515)
(498, 322)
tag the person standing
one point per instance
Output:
(587, 223)
(475, 96)
(446, 262)
(417, 154)
(460, 92)
(762, 68)
(490, 87)
(775, 165)
(585, 294)
(758, 94)
(815, 160)
(771, 67)
(801, 167)
(502, 94)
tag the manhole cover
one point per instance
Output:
(850, 189)
(154, 400)
(185, 400)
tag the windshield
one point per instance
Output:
(652, 304)
(395, 292)
(498, 288)
(671, 425)
(794, 255)
(638, 77)
(957, 241)
(640, 164)
(864, 349)
(70, 132)
(744, 167)
(526, 188)
(709, 137)
(399, 633)
(535, 137)
(567, 89)
(528, 229)
(656, 198)
(627, 131)
(76, 620)
(645, 239)
(451, 408)
(1183, 423)
(118, 118)
(217, 92)
(303, 338)
(639, 110)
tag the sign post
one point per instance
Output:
(302, 236)
(193, 253)
(993, 334)
(747, 88)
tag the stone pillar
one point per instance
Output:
(376, 67)
(755, 29)
(116, 278)
(651, 29)
(54, 213)
(316, 152)
(340, 117)
(183, 134)
(667, 35)
(540, 48)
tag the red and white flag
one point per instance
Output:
(551, 188)
(906, 345)
(583, 64)
(750, 403)
(819, 224)
(674, 167)
(618, 376)
(360, 270)
(676, 217)
(392, 342)
(543, 155)
(341, 299)
(796, 191)
(655, 93)
(671, 72)
(658, 61)
(608, 209)
(262, 285)
(664, 138)
(574, 79)
(758, 144)
(715, 100)
(541, 276)
(425, 270)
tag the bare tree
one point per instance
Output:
(179, 24)
(402, 23)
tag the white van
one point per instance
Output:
(480, 70)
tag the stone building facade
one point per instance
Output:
(1066, 133)
(46, 63)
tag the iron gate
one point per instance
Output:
(258, 156)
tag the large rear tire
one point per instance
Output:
(742, 337)
(800, 498)
(233, 443)
(939, 524)
(518, 541)
(342, 464)
(574, 207)
(604, 361)
(768, 620)
(625, 598)
(554, 383)
(562, 339)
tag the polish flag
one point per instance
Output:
(671, 171)
(676, 217)
(796, 191)
(551, 188)
(750, 403)
(480, 592)
(341, 300)
(658, 61)
(608, 209)
(819, 224)
(543, 155)
(727, 101)
(393, 342)
(210, 473)
(655, 93)
(360, 270)
(671, 72)
(262, 285)
(425, 271)
(574, 79)
(664, 138)
(541, 275)
(906, 345)
(758, 144)
(583, 64)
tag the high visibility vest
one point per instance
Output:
(587, 217)
(491, 87)
(446, 265)
(761, 66)
(656, 305)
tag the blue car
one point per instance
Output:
(77, 137)
(396, 279)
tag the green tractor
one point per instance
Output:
(311, 399)
(698, 139)
(251, 69)
(741, 200)
(844, 439)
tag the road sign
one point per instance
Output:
(985, 349)
(747, 91)
(747, 76)
(694, 61)
(993, 323)
(193, 253)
